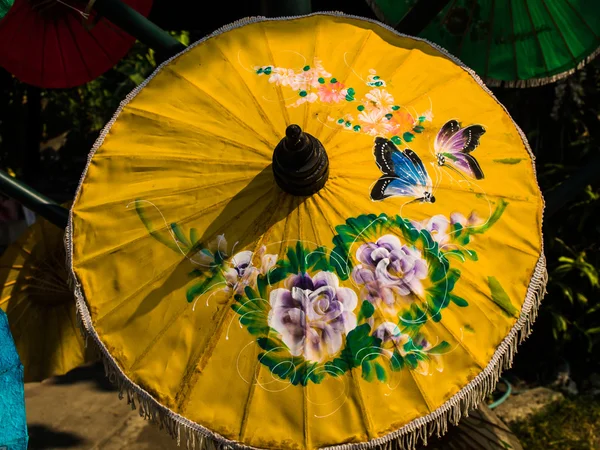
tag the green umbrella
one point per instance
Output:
(514, 43)
(5, 5)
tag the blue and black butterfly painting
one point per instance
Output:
(453, 146)
(404, 174)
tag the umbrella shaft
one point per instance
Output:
(33, 200)
(139, 27)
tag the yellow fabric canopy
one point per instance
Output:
(375, 310)
(39, 303)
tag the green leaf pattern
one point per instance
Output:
(308, 324)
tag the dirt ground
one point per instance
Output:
(82, 410)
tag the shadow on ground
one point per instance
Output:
(93, 372)
(41, 437)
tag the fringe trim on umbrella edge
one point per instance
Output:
(494, 82)
(537, 82)
(410, 435)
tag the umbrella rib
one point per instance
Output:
(243, 164)
(154, 193)
(562, 36)
(223, 109)
(345, 81)
(282, 106)
(13, 323)
(264, 116)
(180, 222)
(258, 365)
(302, 205)
(168, 269)
(163, 228)
(58, 348)
(166, 193)
(24, 250)
(97, 42)
(437, 87)
(367, 420)
(9, 283)
(69, 309)
(514, 40)
(67, 22)
(43, 56)
(154, 118)
(5, 299)
(489, 40)
(537, 37)
(62, 60)
(582, 18)
(443, 188)
(189, 381)
(426, 399)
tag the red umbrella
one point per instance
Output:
(45, 43)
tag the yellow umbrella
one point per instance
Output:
(308, 232)
(39, 304)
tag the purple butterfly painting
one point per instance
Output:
(453, 146)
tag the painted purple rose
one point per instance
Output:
(389, 271)
(312, 314)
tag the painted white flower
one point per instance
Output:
(310, 98)
(241, 272)
(374, 122)
(380, 99)
(438, 227)
(428, 115)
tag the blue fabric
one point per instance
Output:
(13, 425)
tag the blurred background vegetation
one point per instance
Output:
(561, 121)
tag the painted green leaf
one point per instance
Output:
(360, 346)
(408, 230)
(268, 344)
(442, 347)
(500, 207)
(296, 369)
(396, 362)
(458, 301)
(194, 236)
(367, 227)
(418, 129)
(509, 160)
(412, 319)
(158, 232)
(501, 299)
(380, 371)
(367, 372)
(180, 236)
(408, 137)
(366, 310)
(212, 278)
